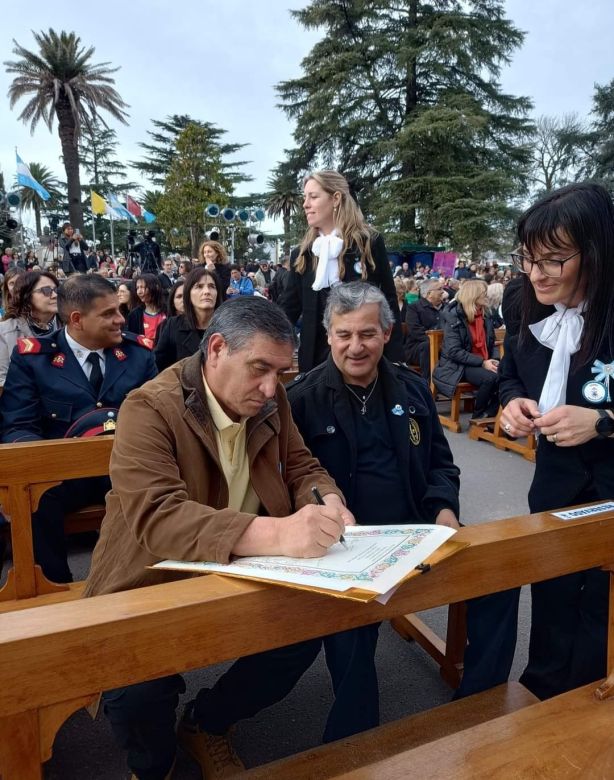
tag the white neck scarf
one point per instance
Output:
(327, 249)
(561, 332)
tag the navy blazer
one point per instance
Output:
(46, 390)
(322, 412)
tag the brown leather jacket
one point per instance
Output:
(169, 494)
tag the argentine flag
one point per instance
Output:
(25, 178)
(121, 211)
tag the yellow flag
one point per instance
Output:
(99, 204)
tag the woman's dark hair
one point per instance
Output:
(171, 308)
(583, 214)
(195, 275)
(7, 298)
(154, 288)
(21, 304)
(124, 308)
(187, 264)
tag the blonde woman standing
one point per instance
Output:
(338, 247)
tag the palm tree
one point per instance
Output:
(30, 199)
(63, 83)
(284, 200)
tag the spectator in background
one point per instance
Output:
(151, 312)
(126, 296)
(494, 295)
(74, 250)
(175, 298)
(412, 291)
(7, 259)
(8, 285)
(239, 285)
(167, 275)
(467, 352)
(399, 286)
(185, 266)
(31, 312)
(461, 271)
(403, 270)
(278, 285)
(213, 256)
(264, 277)
(422, 315)
(180, 336)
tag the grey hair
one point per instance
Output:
(240, 320)
(345, 298)
(427, 286)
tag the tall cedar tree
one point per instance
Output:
(160, 152)
(403, 98)
(603, 138)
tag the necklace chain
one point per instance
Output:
(363, 401)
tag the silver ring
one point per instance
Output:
(554, 438)
(507, 427)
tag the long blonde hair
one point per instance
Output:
(349, 221)
(467, 295)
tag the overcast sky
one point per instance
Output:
(219, 61)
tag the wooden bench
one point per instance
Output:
(489, 429)
(26, 472)
(124, 638)
(463, 394)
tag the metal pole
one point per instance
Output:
(93, 222)
(112, 239)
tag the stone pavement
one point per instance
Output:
(494, 485)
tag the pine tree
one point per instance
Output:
(196, 177)
(404, 99)
(161, 151)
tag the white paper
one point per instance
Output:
(377, 559)
(585, 511)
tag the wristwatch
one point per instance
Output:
(604, 425)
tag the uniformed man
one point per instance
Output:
(70, 383)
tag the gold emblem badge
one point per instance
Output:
(119, 354)
(109, 425)
(414, 432)
(58, 361)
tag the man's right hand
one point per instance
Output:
(309, 532)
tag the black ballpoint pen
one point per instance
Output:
(320, 501)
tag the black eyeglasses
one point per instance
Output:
(47, 291)
(524, 264)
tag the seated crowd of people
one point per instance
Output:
(213, 458)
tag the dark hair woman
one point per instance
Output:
(181, 335)
(32, 312)
(8, 285)
(175, 298)
(556, 376)
(213, 256)
(126, 294)
(468, 348)
(338, 246)
(150, 313)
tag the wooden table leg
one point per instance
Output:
(20, 757)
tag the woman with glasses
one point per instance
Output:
(557, 378)
(32, 311)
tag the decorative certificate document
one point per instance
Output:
(377, 559)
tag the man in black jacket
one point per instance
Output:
(422, 315)
(74, 250)
(374, 427)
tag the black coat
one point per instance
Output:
(322, 412)
(176, 340)
(298, 299)
(420, 317)
(563, 475)
(222, 271)
(456, 352)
